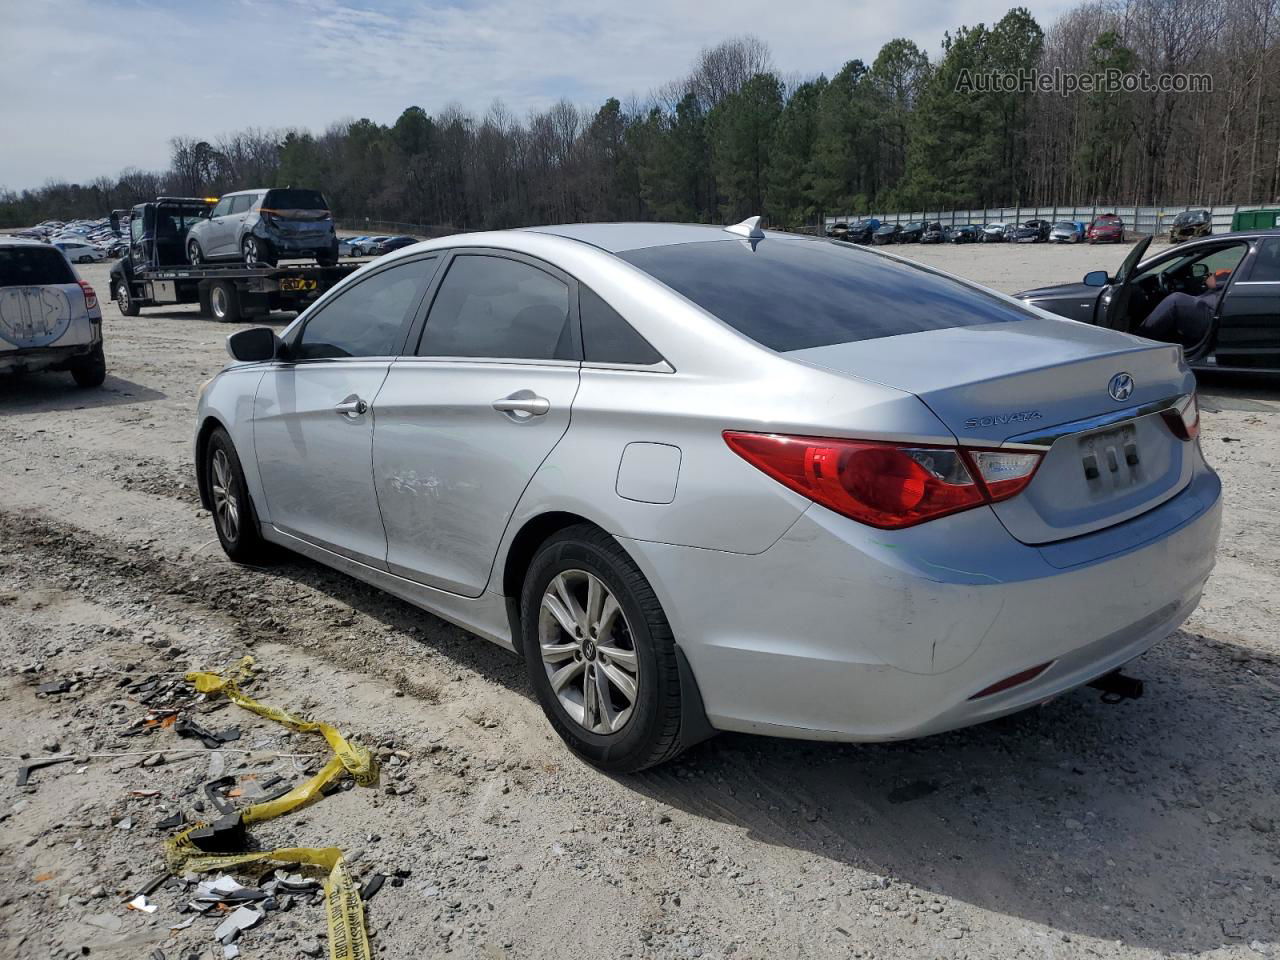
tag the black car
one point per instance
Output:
(933, 232)
(863, 230)
(965, 233)
(1236, 274)
(887, 233)
(1190, 224)
(1033, 231)
(395, 243)
(911, 232)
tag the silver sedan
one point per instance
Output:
(714, 479)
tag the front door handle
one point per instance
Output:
(351, 407)
(523, 405)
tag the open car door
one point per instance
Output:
(1113, 305)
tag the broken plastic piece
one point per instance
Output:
(372, 886)
(25, 771)
(224, 835)
(56, 686)
(140, 902)
(240, 919)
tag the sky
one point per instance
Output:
(90, 87)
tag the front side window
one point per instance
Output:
(495, 307)
(795, 294)
(223, 208)
(366, 319)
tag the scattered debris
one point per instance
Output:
(141, 903)
(171, 822)
(242, 918)
(56, 686)
(372, 886)
(186, 727)
(25, 771)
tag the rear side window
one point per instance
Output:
(1266, 265)
(367, 319)
(32, 266)
(795, 294)
(242, 203)
(291, 199)
(607, 338)
(495, 307)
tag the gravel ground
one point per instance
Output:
(1142, 829)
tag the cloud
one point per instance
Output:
(97, 86)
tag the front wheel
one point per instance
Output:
(124, 300)
(600, 652)
(234, 518)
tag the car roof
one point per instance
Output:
(621, 237)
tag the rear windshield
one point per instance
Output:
(29, 266)
(1064, 225)
(794, 294)
(1191, 216)
(290, 199)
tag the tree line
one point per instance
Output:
(734, 137)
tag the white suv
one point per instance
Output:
(49, 317)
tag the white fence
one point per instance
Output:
(1141, 220)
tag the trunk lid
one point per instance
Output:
(992, 384)
(34, 316)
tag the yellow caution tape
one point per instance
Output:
(345, 911)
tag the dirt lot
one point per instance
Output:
(1080, 829)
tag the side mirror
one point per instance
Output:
(1199, 270)
(1097, 278)
(254, 345)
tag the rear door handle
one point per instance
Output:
(351, 407)
(523, 405)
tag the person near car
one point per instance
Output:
(1182, 317)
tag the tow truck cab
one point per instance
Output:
(155, 270)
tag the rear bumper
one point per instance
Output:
(82, 338)
(841, 632)
(305, 243)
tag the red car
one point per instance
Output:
(1107, 228)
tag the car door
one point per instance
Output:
(1249, 315)
(1113, 302)
(237, 221)
(464, 423)
(314, 412)
(212, 234)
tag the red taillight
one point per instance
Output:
(886, 485)
(1021, 677)
(1184, 419)
(90, 298)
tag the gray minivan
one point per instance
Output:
(263, 226)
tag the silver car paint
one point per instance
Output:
(44, 317)
(795, 620)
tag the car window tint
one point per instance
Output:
(29, 266)
(494, 307)
(367, 319)
(795, 294)
(223, 207)
(606, 337)
(242, 203)
(1266, 266)
(1228, 258)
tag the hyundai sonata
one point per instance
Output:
(721, 479)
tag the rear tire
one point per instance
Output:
(224, 301)
(256, 253)
(634, 644)
(234, 519)
(92, 370)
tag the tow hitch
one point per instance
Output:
(1115, 686)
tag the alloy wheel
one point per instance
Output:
(588, 651)
(226, 505)
(250, 250)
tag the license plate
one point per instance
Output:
(1111, 455)
(297, 283)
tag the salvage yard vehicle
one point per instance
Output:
(79, 251)
(1033, 231)
(261, 227)
(49, 317)
(1106, 228)
(886, 233)
(933, 232)
(911, 232)
(724, 479)
(155, 271)
(1066, 231)
(863, 231)
(1190, 224)
(993, 233)
(839, 231)
(964, 233)
(1242, 300)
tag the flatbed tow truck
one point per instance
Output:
(154, 271)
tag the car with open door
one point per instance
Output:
(1236, 276)
(724, 479)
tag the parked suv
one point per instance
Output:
(263, 226)
(49, 317)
